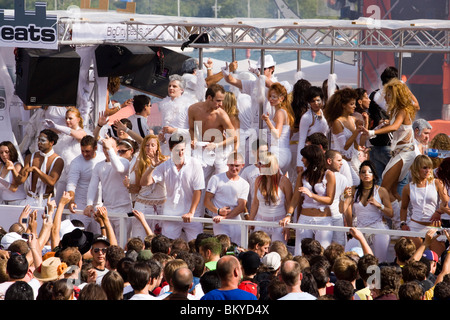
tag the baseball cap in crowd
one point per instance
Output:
(358, 250)
(101, 238)
(272, 260)
(431, 255)
(268, 62)
(78, 238)
(249, 287)
(250, 261)
(9, 238)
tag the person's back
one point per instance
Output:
(233, 294)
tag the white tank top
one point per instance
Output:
(274, 210)
(368, 214)
(321, 190)
(423, 201)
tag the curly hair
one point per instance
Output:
(399, 97)
(440, 141)
(334, 106)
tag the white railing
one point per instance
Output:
(13, 213)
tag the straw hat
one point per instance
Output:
(50, 269)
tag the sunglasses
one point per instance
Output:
(97, 250)
(122, 151)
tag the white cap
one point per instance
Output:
(9, 238)
(272, 260)
(66, 227)
(268, 62)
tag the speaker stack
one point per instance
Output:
(47, 77)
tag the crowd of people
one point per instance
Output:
(261, 150)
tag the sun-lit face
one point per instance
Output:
(151, 147)
(336, 163)
(274, 98)
(425, 172)
(174, 89)
(217, 101)
(316, 104)
(365, 101)
(72, 120)
(366, 174)
(350, 106)
(88, 152)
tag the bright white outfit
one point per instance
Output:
(337, 217)
(369, 216)
(115, 195)
(402, 152)
(180, 186)
(338, 142)
(249, 174)
(323, 236)
(280, 147)
(175, 114)
(150, 200)
(273, 212)
(139, 125)
(227, 193)
(7, 196)
(78, 179)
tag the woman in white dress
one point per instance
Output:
(422, 197)
(272, 196)
(11, 193)
(402, 108)
(149, 199)
(369, 205)
(344, 133)
(280, 129)
(68, 146)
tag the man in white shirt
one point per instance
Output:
(334, 163)
(142, 107)
(110, 174)
(184, 180)
(422, 129)
(143, 281)
(78, 179)
(226, 197)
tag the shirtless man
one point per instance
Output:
(208, 125)
(45, 168)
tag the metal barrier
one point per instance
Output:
(244, 224)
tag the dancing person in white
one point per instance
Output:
(110, 174)
(369, 205)
(272, 196)
(184, 182)
(78, 180)
(11, 192)
(226, 197)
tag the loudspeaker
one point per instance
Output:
(47, 77)
(154, 77)
(116, 60)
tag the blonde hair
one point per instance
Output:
(77, 114)
(400, 98)
(419, 162)
(269, 181)
(230, 105)
(143, 161)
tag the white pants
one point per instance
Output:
(323, 236)
(231, 230)
(137, 230)
(174, 230)
(338, 236)
(275, 233)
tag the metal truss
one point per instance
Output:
(285, 34)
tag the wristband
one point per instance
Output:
(382, 208)
(218, 211)
(103, 227)
(288, 214)
(402, 223)
(371, 133)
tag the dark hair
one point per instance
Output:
(388, 74)
(299, 102)
(13, 154)
(359, 188)
(343, 290)
(92, 291)
(161, 243)
(113, 255)
(140, 101)
(19, 290)
(309, 284)
(51, 135)
(360, 92)
(316, 167)
(175, 139)
(139, 275)
(443, 172)
(318, 139)
(209, 281)
(124, 265)
(17, 266)
(313, 92)
(213, 89)
(335, 104)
